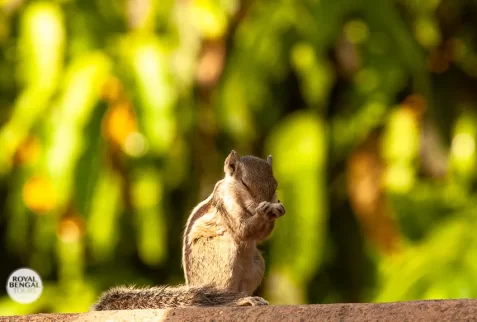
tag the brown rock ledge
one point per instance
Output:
(435, 310)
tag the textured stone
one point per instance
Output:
(436, 310)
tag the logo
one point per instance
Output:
(24, 286)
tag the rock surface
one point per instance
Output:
(435, 310)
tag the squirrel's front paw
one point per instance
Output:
(271, 210)
(251, 301)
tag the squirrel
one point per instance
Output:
(219, 247)
(221, 261)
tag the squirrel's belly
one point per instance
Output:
(249, 271)
(221, 263)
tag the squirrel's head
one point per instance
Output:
(251, 176)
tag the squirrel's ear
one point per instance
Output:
(269, 159)
(231, 163)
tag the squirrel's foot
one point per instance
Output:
(271, 210)
(251, 301)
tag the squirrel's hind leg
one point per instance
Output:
(251, 301)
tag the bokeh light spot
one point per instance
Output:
(356, 31)
(463, 145)
(120, 122)
(39, 194)
(71, 229)
(135, 144)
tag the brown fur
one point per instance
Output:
(222, 232)
(131, 298)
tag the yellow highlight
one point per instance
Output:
(303, 56)
(427, 33)
(120, 123)
(146, 191)
(39, 194)
(401, 141)
(42, 43)
(463, 158)
(71, 229)
(463, 145)
(356, 31)
(135, 144)
(209, 18)
(112, 90)
(400, 178)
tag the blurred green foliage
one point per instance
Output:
(116, 116)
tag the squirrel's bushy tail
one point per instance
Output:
(160, 297)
